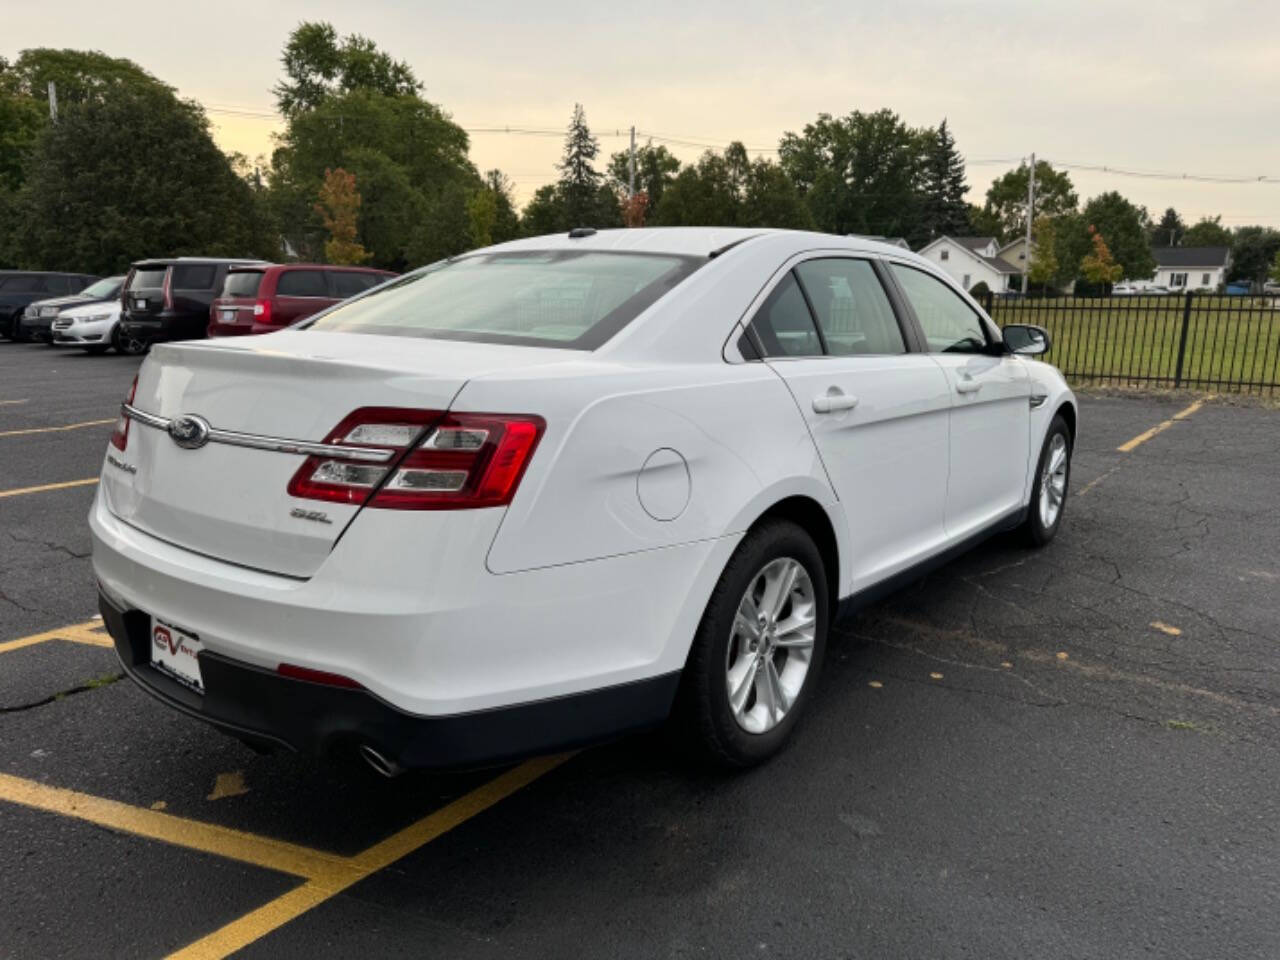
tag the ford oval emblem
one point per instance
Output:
(189, 431)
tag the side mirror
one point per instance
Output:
(1026, 339)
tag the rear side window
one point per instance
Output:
(348, 284)
(851, 307)
(22, 284)
(563, 298)
(301, 283)
(784, 324)
(150, 278)
(242, 283)
(950, 325)
(194, 276)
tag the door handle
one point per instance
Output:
(968, 386)
(834, 400)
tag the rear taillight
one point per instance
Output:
(120, 436)
(262, 312)
(168, 289)
(465, 460)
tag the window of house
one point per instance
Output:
(1177, 279)
(851, 307)
(944, 255)
(967, 278)
(1204, 280)
(950, 325)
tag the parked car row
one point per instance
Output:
(176, 298)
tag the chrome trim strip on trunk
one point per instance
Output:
(258, 442)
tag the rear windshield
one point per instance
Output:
(242, 283)
(571, 299)
(149, 278)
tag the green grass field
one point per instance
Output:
(1232, 343)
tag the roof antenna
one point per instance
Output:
(577, 233)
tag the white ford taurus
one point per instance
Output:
(563, 488)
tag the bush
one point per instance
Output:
(979, 290)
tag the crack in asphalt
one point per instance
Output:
(95, 684)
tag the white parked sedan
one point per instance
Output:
(563, 488)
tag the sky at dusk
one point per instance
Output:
(1160, 87)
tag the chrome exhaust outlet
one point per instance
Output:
(381, 764)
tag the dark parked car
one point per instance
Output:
(20, 288)
(169, 299)
(36, 322)
(266, 298)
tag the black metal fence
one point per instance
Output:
(1199, 341)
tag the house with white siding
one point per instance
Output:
(1191, 268)
(970, 260)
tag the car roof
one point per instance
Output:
(171, 261)
(694, 241)
(46, 273)
(278, 267)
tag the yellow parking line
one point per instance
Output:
(1160, 427)
(19, 491)
(90, 632)
(325, 884)
(179, 831)
(69, 426)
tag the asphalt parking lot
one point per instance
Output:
(1063, 753)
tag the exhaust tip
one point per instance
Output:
(381, 764)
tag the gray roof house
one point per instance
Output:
(1191, 268)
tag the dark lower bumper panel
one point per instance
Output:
(260, 705)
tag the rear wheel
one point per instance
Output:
(128, 345)
(1049, 494)
(758, 650)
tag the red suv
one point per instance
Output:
(259, 299)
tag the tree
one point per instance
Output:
(317, 65)
(1043, 268)
(544, 213)
(1006, 203)
(81, 76)
(1169, 231)
(1253, 251)
(1208, 232)
(656, 167)
(1098, 267)
(858, 174)
(730, 189)
(579, 180)
(339, 208)
(944, 211)
(1125, 227)
(634, 208)
(506, 222)
(482, 208)
(1274, 273)
(131, 175)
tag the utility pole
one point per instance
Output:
(53, 101)
(1031, 208)
(632, 164)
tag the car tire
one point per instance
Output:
(779, 662)
(127, 346)
(1049, 492)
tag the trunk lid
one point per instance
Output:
(232, 502)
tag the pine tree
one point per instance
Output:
(945, 211)
(579, 180)
(1168, 232)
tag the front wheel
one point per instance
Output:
(1049, 494)
(758, 651)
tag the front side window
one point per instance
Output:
(554, 298)
(784, 325)
(301, 283)
(851, 307)
(950, 325)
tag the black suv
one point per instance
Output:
(19, 288)
(169, 300)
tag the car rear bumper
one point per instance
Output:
(259, 705)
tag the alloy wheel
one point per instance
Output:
(771, 645)
(1053, 481)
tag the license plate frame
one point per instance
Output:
(175, 652)
(139, 303)
(229, 316)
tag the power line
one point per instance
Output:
(713, 143)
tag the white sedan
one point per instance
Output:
(556, 490)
